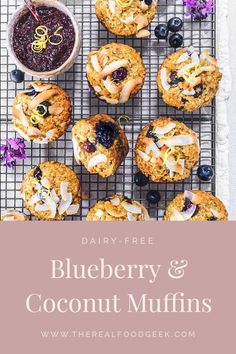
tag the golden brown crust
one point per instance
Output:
(100, 67)
(13, 215)
(154, 166)
(52, 176)
(84, 131)
(208, 207)
(116, 208)
(42, 128)
(204, 85)
(125, 21)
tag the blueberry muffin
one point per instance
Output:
(187, 81)
(42, 113)
(99, 144)
(51, 191)
(196, 206)
(115, 72)
(117, 208)
(13, 215)
(166, 150)
(126, 17)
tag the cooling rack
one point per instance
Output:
(146, 106)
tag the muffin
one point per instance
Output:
(51, 191)
(126, 17)
(115, 72)
(99, 144)
(117, 208)
(187, 81)
(196, 206)
(166, 150)
(42, 113)
(13, 215)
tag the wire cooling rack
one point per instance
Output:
(146, 106)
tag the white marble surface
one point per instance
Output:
(232, 110)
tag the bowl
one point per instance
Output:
(75, 52)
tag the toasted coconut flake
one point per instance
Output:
(45, 183)
(164, 130)
(64, 204)
(215, 213)
(32, 131)
(115, 201)
(99, 213)
(110, 86)
(131, 217)
(109, 100)
(34, 199)
(141, 21)
(41, 97)
(77, 149)
(164, 79)
(176, 215)
(97, 88)
(40, 88)
(152, 147)
(185, 69)
(18, 130)
(143, 33)
(63, 190)
(95, 63)
(128, 88)
(95, 160)
(205, 56)
(128, 20)
(55, 109)
(194, 198)
(73, 209)
(179, 167)
(88, 69)
(144, 6)
(188, 92)
(13, 215)
(51, 206)
(55, 196)
(183, 58)
(112, 6)
(131, 208)
(108, 70)
(195, 58)
(41, 207)
(178, 140)
(143, 156)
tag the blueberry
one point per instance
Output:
(38, 173)
(43, 109)
(119, 74)
(175, 24)
(161, 31)
(212, 218)
(148, 2)
(153, 197)
(176, 40)
(106, 133)
(205, 173)
(198, 90)
(89, 147)
(17, 76)
(140, 180)
(175, 79)
(30, 91)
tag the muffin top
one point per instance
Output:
(166, 150)
(51, 191)
(42, 113)
(117, 208)
(188, 81)
(13, 215)
(115, 72)
(196, 206)
(99, 144)
(126, 17)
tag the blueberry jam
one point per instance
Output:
(53, 56)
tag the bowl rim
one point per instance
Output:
(74, 54)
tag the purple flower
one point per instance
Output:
(199, 9)
(12, 151)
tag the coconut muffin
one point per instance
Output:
(115, 72)
(166, 150)
(13, 215)
(117, 208)
(99, 144)
(196, 206)
(51, 191)
(188, 81)
(126, 17)
(42, 113)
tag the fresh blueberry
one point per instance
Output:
(30, 91)
(176, 40)
(140, 180)
(148, 2)
(205, 173)
(106, 133)
(38, 173)
(43, 109)
(153, 197)
(119, 74)
(161, 31)
(17, 76)
(175, 24)
(89, 147)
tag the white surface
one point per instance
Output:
(232, 110)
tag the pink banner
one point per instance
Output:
(108, 287)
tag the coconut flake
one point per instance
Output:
(63, 190)
(164, 79)
(143, 33)
(188, 92)
(178, 140)
(34, 199)
(110, 86)
(73, 209)
(45, 183)
(99, 213)
(112, 6)
(134, 209)
(95, 160)
(153, 147)
(64, 204)
(131, 217)
(194, 198)
(109, 100)
(51, 206)
(55, 196)
(41, 208)
(95, 63)
(128, 20)
(195, 58)
(143, 156)
(176, 215)
(128, 88)
(115, 201)
(183, 58)
(164, 130)
(215, 213)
